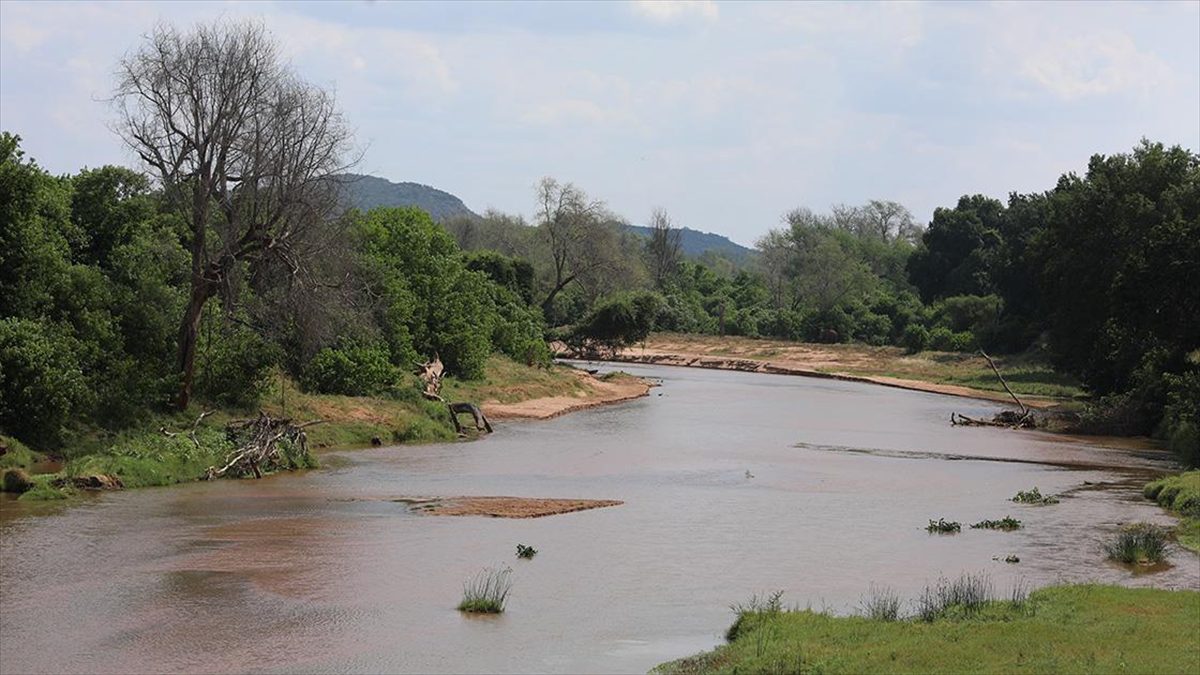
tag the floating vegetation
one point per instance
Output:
(1035, 497)
(1006, 523)
(525, 552)
(943, 526)
(486, 592)
(1138, 543)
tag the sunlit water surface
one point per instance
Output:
(734, 484)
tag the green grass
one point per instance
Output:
(486, 592)
(1180, 494)
(143, 456)
(1066, 629)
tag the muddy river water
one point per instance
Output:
(733, 484)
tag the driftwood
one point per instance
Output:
(431, 374)
(192, 432)
(264, 443)
(1007, 418)
(481, 421)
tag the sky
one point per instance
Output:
(727, 115)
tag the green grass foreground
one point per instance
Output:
(143, 456)
(1064, 629)
(1180, 494)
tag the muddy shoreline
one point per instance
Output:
(601, 391)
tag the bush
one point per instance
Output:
(941, 339)
(353, 369)
(41, 383)
(618, 321)
(15, 481)
(1180, 425)
(962, 342)
(233, 365)
(915, 338)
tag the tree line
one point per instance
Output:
(226, 255)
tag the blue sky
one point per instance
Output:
(725, 114)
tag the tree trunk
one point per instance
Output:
(189, 332)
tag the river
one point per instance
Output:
(733, 483)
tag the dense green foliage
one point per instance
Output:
(1180, 494)
(93, 283)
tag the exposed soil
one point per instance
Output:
(502, 507)
(838, 362)
(593, 391)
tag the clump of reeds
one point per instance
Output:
(1006, 523)
(758, 606)
(881, 603)
(1035, 497)
(487, 591)
(969, 593)
(943, 526)
(1138, 543)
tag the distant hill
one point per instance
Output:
(368, 192)
(695, 242)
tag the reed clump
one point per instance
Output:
(1140, 543)
(487, 591)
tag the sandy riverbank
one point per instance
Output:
(856, 363)
(592, 391)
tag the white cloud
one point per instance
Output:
(667, 11)
(1092, 65)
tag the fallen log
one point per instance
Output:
(481, 421)
(1006, 418)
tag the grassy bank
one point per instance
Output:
(1066, 629)
(1028, 374)
(1181, 495)
(143, 456)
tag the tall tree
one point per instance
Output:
(665, 248)
(568, 220)
(242, 148)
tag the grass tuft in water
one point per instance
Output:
(525, 552)
(1035, 497)
(487, 591)
(1006, 523)
(943, 526)
(1138, 543)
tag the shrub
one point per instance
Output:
(915, 338)
(486, 592)
(963, 341)
(943, 526)
(941, 339)
(1138, 543)
(353, 369)
(233, 364)
(41, 383)
(618, 321)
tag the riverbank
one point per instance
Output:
(1181, 495)
(1065, 629)
(146, 456)
(955, 374)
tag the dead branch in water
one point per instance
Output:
(1006, 418)
(431, 373)
(264, 443)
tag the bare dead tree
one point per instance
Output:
(567, 219)
(665, 247)
(242, 147)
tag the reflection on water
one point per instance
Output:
(733, 484)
